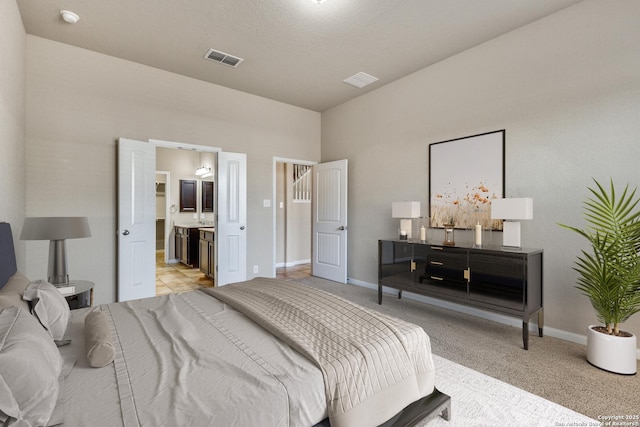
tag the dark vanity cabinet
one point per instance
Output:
(207, 253)
(207, 196)
(187, 250)
(188, 195)
(502, 280)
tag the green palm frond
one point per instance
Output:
(610, 274)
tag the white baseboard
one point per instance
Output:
(488, 315)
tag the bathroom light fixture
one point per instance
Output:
(202, 170)
(69, 16)
(207, 174)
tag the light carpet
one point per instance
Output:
(479, 400)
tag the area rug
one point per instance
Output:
(481, 401)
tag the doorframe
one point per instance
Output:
(179, 146)
(274, 212)
(167, 213)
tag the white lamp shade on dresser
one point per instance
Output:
(405, 210)
(514, 209)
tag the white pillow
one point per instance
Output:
(49, 306)
(30, 365)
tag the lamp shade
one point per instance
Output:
(55, 228)
(516, 208)
(405, 210)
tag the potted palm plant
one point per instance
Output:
(609, 274)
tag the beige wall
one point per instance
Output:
(79, 102)
(13, 183)
(567, 91)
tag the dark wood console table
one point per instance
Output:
(503, 280)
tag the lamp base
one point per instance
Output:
(406, 226)
(57, 273)
(511, 234)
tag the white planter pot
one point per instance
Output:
(611, 353)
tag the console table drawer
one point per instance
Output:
(446, 264)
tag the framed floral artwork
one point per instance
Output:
(465, 175)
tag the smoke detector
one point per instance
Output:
(69, 16)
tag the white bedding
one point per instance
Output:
(204, 364)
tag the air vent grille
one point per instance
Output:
(360, 80)
(223, 58)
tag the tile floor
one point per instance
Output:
(174, 278)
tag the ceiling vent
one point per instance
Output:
(223, 58)
(360, 80)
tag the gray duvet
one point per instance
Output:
(192, 360)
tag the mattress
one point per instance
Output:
(188, 359)
(192, 359)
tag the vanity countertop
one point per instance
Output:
(211, 229)
(193, 225)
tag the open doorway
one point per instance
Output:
(181, 263)
(292, 218)
(136, 219)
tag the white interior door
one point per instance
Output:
(329, 226)
(231, 233)
(136, 219)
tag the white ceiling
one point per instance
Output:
(294, 51)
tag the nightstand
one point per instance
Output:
(82, 296)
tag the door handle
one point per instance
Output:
(125, 233)
(342, 228)
(242, 227)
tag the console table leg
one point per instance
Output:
(399, 293)
(525, 334)
(540, 321)
(380, 294)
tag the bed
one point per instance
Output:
(263, 352)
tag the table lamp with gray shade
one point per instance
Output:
(57, 230)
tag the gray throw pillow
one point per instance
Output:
(30, 366)
(49, 306)
(98, 339)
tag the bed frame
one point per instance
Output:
(8, 256)
(431, 406)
